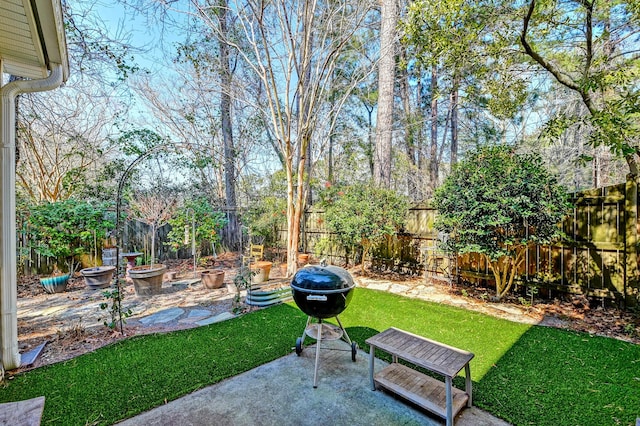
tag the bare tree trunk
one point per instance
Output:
(409, 133)
(433, 151)
(295, 209)
(370, 141)
(231, 234)
(330, 150)
(419, 134)
(454, 124)
(386, 80)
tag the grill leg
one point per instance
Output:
(304, 332)
(315, 371)
(344, 332)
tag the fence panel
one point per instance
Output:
(599, 257)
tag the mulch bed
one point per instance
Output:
(575, 312)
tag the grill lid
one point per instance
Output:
(322, 279)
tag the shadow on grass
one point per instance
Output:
(523, 374)
(557, 377)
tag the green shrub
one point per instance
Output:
(363, 215)
(208, 224)
(498, 203)
(65, 229)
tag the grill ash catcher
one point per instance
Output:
(323, 292)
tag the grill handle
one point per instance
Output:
(317, 297)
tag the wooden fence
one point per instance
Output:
(598, 258)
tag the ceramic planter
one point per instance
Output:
(55, 284)
(98, 277)
(213, 278)
(147, 281)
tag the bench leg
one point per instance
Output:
(372, 358)
(448, 386)
(468, 384)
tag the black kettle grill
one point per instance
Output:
(323, 292)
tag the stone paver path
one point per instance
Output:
(186, 303)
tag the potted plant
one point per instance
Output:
(155, 209)
(97, 277)
(62, 231)
(261, 270)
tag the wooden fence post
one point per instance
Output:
(631, 286)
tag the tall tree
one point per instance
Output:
(232, 226)
(63, 144)
(63, 136)
(386, 86)
(468, 48)
(293, 49)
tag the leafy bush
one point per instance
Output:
(208, 224)
(268, 213)
(64, 229)
(498, 203)
(362, 215)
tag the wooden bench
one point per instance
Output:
(431, 394)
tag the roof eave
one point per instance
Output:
(51, 21)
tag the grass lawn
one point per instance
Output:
(524, 374)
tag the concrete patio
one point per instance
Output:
(281, 393)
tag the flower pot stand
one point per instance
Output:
(131, 262)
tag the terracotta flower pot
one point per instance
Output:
(213, 278)
(303, 258)
(262, 270)
(98, 277)
(147, 281)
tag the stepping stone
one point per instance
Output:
(398, 288)
(196, 315)
(29, 358)
(221, 317)
(22, 413)
(162, 316)
(376, 286)
(200, 313)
